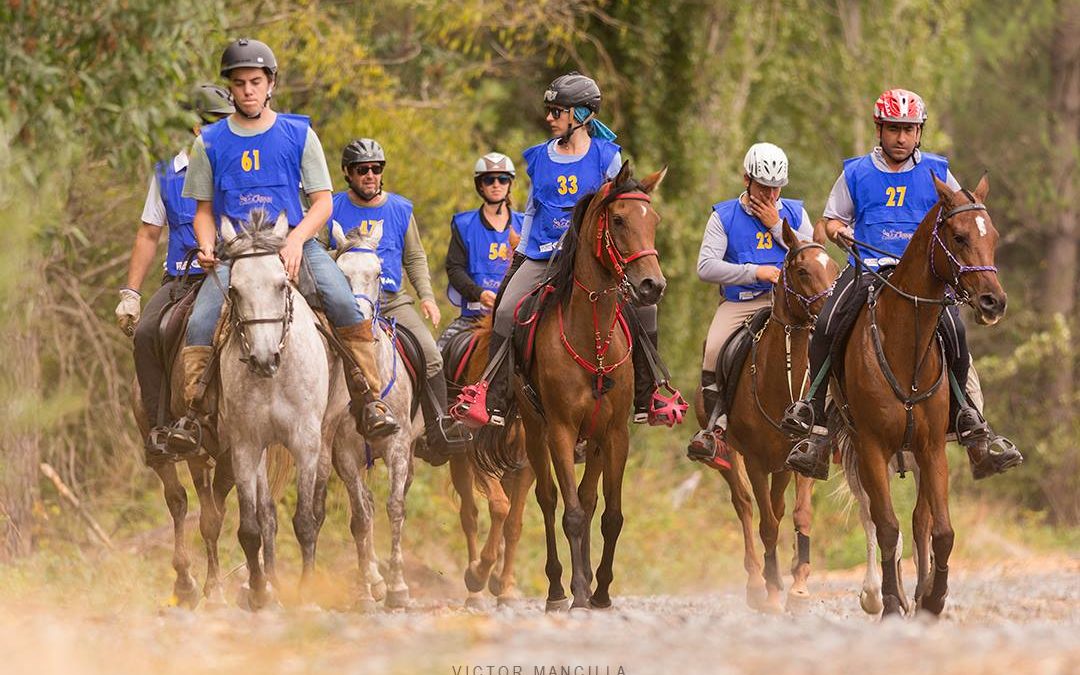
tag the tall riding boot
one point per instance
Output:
(372, 415)
(644, 386)
(498, 398)
(708, 445)
(810, 456)
(185, 435)
(445, 436)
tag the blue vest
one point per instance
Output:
(180, 214)
(395, 214)
(889, 206)
(749, 241)
(556, 188)
(261, 171)
(489, 256)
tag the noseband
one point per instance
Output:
(958, 267)
(240, 323)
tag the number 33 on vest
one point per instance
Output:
(567, 185)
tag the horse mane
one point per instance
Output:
(255, 234)
(562, 275)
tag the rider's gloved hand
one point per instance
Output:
(129, 310)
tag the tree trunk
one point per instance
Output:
(19, 451)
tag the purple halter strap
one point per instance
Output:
(959, 267)
(805, 301)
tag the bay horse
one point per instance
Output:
(773, 376)
(274, 388)
(582, 343)
(506, 492)
(893, 390)
(353, 456)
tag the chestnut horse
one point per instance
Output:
(894, 389)
(506, 494)
(771, 378)
(580, 371)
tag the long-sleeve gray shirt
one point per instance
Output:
(711, 266)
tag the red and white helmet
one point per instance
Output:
(900, 105)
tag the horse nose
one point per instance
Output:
(991, 304)
(650, 290)
(267, 368)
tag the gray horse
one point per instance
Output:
(356, 255)
(275, 379)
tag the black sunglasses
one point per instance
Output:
(489, 179)
(555, 111)
(376, 169)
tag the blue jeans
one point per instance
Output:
(337, 297)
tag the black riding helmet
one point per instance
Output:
(572, 90)
(362, 150)
(247, 53)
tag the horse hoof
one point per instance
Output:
(561, 605)
(472, 581)
(378, 590)
(495, 585)
(367, 605)
(755, 597)
(891, 607)
(476, 602)
(929, 606)
(509, 601)
(398, 599)
(599, 603)
(870, 602)
(797, 601)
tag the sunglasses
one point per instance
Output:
(555, 111)
(376, 169)
(489, 179)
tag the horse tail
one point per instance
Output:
(279, 469)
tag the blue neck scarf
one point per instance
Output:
(597, 129)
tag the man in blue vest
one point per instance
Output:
(578, 159)
(743, 249)
(258, 158)
(402, 253)
(880, 199)
(164, 207)
(480, 248)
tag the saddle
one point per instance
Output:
(530, 309)
(411, 358)
(456, 354)
(170, 338)
(733, 355)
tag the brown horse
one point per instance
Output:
(774, 376)
(892, 387)
(581, 373)
(506, 495)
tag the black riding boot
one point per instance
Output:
(444, 435)
(644, 382)
(498, 394)
(810, 456)
(705, 446)
(987, 452)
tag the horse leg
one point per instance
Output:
(768, 530)
(921, 523)
(802, 516)
(360, 515)
(519, 483)
(936, 471)
(870, 595)
(397, 462)
(739, 487)
(498, 510)
(874, 476)
(305, 522)
(562, 437)
(211, 518)
(461, 475)
(246, 466)
(267, 514)
(614, 456)
(547, 496)
(587, 496)
(185, 593)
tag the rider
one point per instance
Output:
(400, 247)
(743, 249)
(880, 199)
(479, 251)
(164, 207)
(578, 159)
(258, 158)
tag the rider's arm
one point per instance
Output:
(711, 266)
(147, 236)
(839, 210)
(315, 177)
(414, 260)
(526, 223)
(457, 268)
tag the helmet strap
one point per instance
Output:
(565, 138)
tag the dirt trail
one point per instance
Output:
(1018, 617)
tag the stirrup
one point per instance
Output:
(453, 436)
(1006, 456)
(666, 409)
(156, 447)
(971, 426)
(709, 448)
(375, 420)
(184, 437)
(810, 457)
(471, 406)
(798, 419)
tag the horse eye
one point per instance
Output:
(803, 272)
(618, 220)
(960, 239)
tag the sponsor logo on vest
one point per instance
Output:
(250, 199)
(895, 235)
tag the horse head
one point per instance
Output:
(626, 234)
(967, 238)
(357, 256)
(259, 289)
(808, 275)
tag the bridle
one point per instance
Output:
(240, 323)
(789, 290)
(604, 241)
(957, 267)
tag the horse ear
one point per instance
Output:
(943, 190)
(337, 234)
(790, 240)
(625, 173)
(228, 230)
(281, 225)
(982, 189)
(374, 235)
(652, 181)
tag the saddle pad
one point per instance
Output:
(733, 355)
(456, 353)
(173, 326)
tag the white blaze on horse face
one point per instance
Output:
(980, 222)
(644, 210)
(823, 258)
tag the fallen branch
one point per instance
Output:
(73, 501)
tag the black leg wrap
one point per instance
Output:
(802, 543)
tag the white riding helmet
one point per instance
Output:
(494, 162)
(767, 164)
